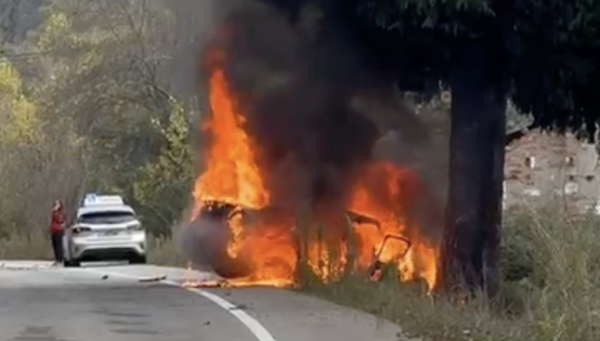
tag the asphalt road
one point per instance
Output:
(99, 303)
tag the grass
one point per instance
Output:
(19, 247)
(550, 291)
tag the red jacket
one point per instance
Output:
(58, 220)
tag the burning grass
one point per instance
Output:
(551, 289)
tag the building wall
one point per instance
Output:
(544, 166)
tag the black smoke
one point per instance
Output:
(297, 69)
(296, 76)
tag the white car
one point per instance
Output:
(106, 229)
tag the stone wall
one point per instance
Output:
(546, 166)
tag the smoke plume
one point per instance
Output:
(298, 79)
(204, 242)
(299, 73)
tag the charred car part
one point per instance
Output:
(217, 209)
(207, 238)
(376, 269)
(231, 268)
(361, 219)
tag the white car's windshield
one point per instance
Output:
(106, 218)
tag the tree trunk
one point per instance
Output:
(471, 239)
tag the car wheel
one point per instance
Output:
(71, 263)
(138, 260)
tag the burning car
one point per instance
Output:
(248, 220)
(225, 237)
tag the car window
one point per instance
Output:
(106, 218)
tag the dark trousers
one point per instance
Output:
(57, 245)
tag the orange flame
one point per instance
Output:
(272, 248)
(382, 193)
(231, 160)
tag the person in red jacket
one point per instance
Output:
(57, 227)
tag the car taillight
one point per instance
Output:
(135, 227)
(79, 230)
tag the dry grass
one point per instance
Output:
(22, 247)
(551, 289)
(164, 251)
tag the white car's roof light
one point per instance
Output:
(102, 200)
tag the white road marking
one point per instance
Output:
(257, 329)
(24, 265)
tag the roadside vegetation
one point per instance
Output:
(550, 288)
(88, 103)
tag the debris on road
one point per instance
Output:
(195, 280)
(152, 279)
(195, 284)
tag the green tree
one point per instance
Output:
(541, 54)
(19, 118)
(113, 86)
(19, 132)
(162, 187)
(103, 115)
